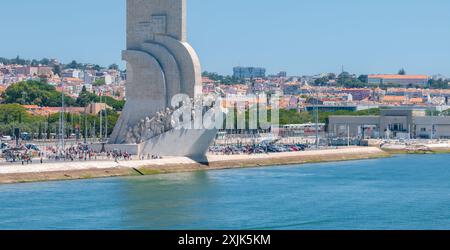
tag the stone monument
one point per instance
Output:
(160, 65)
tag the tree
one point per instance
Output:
(117, 105)
(34, 62)
(113, 66)
(439, 84)
(48, 132)
(85, 98)
(20, 61)
(40, 131)
(12, 112)
(97, 67)
(402, 72)
(321, 81)
(35, 93)
(344, 79)
(99, 82)
(44, 61)
(57, 70)
(222, 79)
(331, 76)
(294, 117)
(363, 78)
(73, 65)
(350, 81)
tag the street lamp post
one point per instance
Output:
(316, 116)
(61, 142)
(85, 128)
(317, 121)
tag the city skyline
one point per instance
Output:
(306, 38)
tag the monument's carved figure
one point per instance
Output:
(164, 121)
(150, 128)
(160, 65)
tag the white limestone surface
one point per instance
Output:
(170, 161)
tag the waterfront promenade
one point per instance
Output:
(15, 173)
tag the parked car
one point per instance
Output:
(32, 147)
(6, 138)
(25, 136)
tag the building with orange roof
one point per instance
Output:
(30, 106)
(206, 80)
(399, 79)
(394, 99)
(416, 100)
(46, 111)
(72, 80)
(358, 94)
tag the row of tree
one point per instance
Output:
(222, 79)
(15, 115)
(347, 80)
(20, 61)
(56, 68)
(287, 117)
(43, 127)
(45, 95)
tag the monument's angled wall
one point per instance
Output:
(190, 143)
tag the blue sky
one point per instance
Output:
(298, 36)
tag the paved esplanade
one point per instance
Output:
(160, 65)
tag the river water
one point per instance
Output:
(404, 192)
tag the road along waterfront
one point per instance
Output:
(95, 169)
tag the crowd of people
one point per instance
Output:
(83, 152)
(26, 157)
(80, 152)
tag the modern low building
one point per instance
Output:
(249, 72)
(335, 108)
(397, 123)
(331, 108)
(302, 130)
(403, 80)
